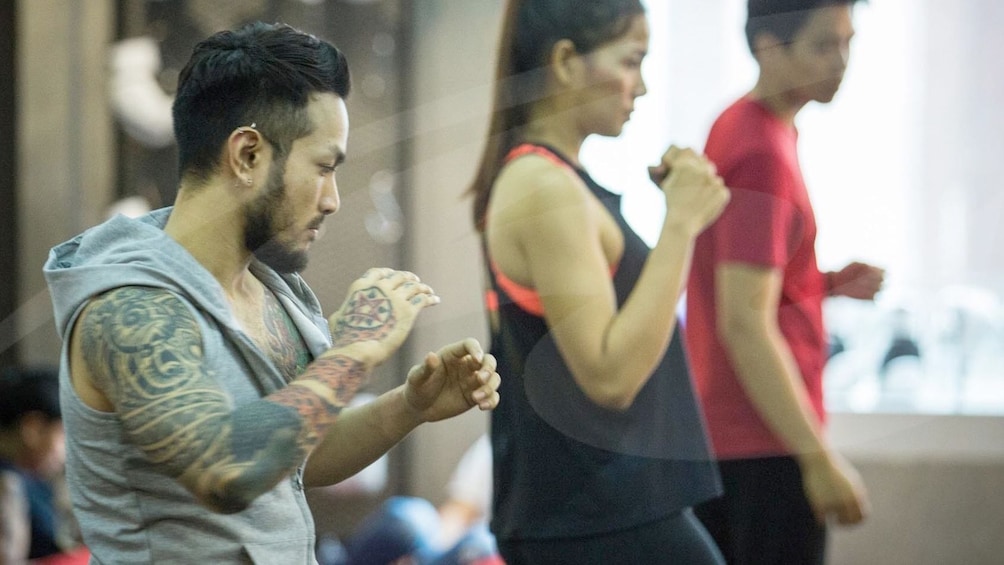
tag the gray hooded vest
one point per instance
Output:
(129, 510)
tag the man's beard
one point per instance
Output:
(260, 230)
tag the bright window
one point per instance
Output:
(932, 342)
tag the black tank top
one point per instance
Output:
(567, 467)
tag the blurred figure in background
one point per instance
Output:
(35, 519)
(754, 320)
(407, 530)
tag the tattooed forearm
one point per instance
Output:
(319, 395)
(368, 314)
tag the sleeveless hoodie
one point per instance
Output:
(565, 466)
(129, 510)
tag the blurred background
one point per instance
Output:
(902, 168)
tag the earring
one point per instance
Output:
(249, 181)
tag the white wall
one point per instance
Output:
(452, 61)
(934, 483)
(64, 149)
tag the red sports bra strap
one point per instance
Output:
(525, 298)
(539, 150)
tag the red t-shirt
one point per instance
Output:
(768, 222)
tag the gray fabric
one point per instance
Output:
(129, 510)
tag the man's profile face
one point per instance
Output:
(286, 216)
(817, 58)
(262, 216)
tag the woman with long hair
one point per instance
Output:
(599, 447)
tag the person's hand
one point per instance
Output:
(378, 314)
(695, 194)
(453, 380)
(834, 487)
(658, 173)
(857, 280)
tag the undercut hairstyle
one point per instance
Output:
(782, 19)
(24, 390)
(529, 31)
(261, 74)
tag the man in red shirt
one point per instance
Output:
(754, 322)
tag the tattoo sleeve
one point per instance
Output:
(144, 349)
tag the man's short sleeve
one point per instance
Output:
(755, 226)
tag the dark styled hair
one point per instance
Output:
(28, 389)
(529, 31)
(782, 18)
(262, 74)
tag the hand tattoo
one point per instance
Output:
(368, 314)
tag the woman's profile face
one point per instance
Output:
(613, 80)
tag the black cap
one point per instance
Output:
(28, 389)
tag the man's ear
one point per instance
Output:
(765, 44)
(244, 153)
(565, 61)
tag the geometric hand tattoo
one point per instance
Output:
(368, 314)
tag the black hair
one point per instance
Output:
(28, 389)
(261, 74)
(529, 31)
(782, 18)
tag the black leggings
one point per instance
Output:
(764, 517)
(677, 540)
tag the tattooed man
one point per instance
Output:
(203, 388)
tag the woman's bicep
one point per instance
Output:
(571, 275)
(544, 234)
(569, 270)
